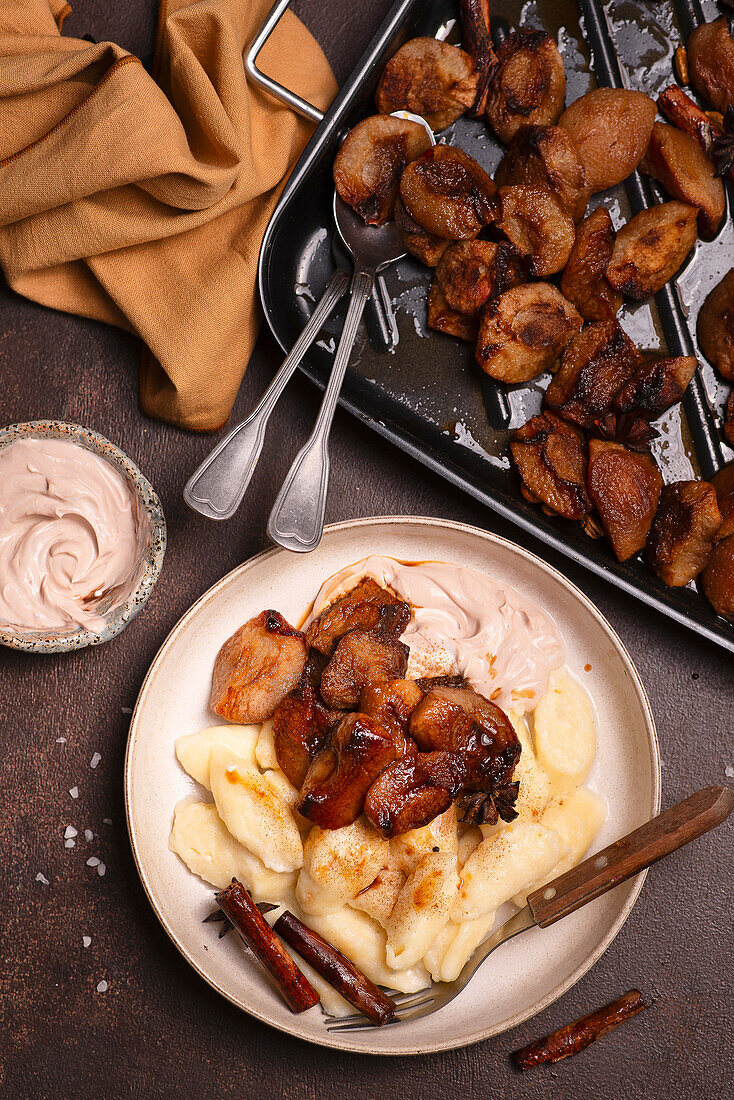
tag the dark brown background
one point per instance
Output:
(159, 1030)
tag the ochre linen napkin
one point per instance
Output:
(142, 202)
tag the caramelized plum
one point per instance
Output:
(534, 221)
(523, 332)
(624, 488)
(429, 78)
(361, 657)
(448, 193)
(425, 247)
(445, 319)
(300, 728)
(683, 533)
(340, 775)
(729, 420)
(528, 85)
(584, 280)
(550, 456)
(366, 606)
(651, 247)
(717, 578)
(593, 367)
(391, 703)
(471, 272)
(611, 129)
(723, 483)
(545, 156)
(370, 162)
(657, 384)
(687, 116)
(716, 326)
(256, 668)
(710, 51)
(413, 790)
(679, 163)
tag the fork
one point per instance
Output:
(598, 874)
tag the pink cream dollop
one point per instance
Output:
(69, 537)
(465, 622)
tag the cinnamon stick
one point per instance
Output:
(573, 1038)
(335, 968)
(680, 109)
(477, 41)
(236, 903)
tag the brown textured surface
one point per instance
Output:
(159, 1030)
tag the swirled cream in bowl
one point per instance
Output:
(82, 537)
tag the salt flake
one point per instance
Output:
(74, 792)
(60, 740)
(70, 843)
(88, 835)
(102, 987)
(93, 861)
(69, 832)
(86, 940)
(41, 878)
(101, 869)
(95, 760)
(106, 820)
(729, 771)
(127, 710)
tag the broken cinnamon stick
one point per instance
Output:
(236, 903)
(573, 1038)
(334, 967)
(477, 42)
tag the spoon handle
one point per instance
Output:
(217, 486)
(297, 519)
(666, 833)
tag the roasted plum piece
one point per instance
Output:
(716, 326)
(687, 116)
(679, 163)
(550, 456)
(729, 420)
(545, 156)
(429, 78)
(471, 272)
(625, 488)
(300, 728)
(528, 85)
(340, 775)
(723, 483)
(425, 247)
(391, 703)
(611, 129)
(657, 384)
(411, 791)
(651, 247)
(683, 533)
(594, 366)
(710, 51)
(523, 332)
(445, 319)
(477, 35)
(361, 657)
(256, 668)
(584, 280)
(370, 162)
(717, 578)
(365, 606)
(533, 220)
(448, 193)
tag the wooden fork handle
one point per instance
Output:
(666, 833)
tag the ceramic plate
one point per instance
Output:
(525, 975)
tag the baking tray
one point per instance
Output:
(426, 394)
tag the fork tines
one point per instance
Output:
(410, 1006)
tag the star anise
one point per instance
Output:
(724, 145)
(480, 808)
(634, 431)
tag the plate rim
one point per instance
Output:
(335, 1040)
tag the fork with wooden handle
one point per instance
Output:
(589, 880)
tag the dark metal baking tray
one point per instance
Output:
(427, 395)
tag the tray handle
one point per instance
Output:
(257, 76)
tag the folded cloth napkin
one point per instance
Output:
(142, 202)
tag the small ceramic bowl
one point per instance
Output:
(152, 548)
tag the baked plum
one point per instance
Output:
(411, 791)
(300, 728)
(682, 536)
(361, 657)
(717, 578)
(679, 163)
(584, 281)
(610, 128)
(424, 246)
(533, 220)
(550, 456)
(545, 156)
(256, 668)
(710, 51)
(523, 332)
(729, 420)
(366, 606)
(528, 85)
(723, 483)
(370, 162)
(658, 383)
(443, 318)
(391, 702)
(625, 488)
(448, 193)
(716, 326)
(471, 272)
(428, 78)
(651, 247)
(594, 366)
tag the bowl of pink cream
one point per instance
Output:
(82, 537)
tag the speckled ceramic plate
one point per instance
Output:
(526, 974)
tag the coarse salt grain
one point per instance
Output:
(41, 878)
(70, 843)
(95, 760)
(729, 771)
(127, 710)
(101, 869)
(86, 940)
(60, 740)
(69, 831)
(102, 987)
(93, 861)
(74, 792)
(88, 835)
